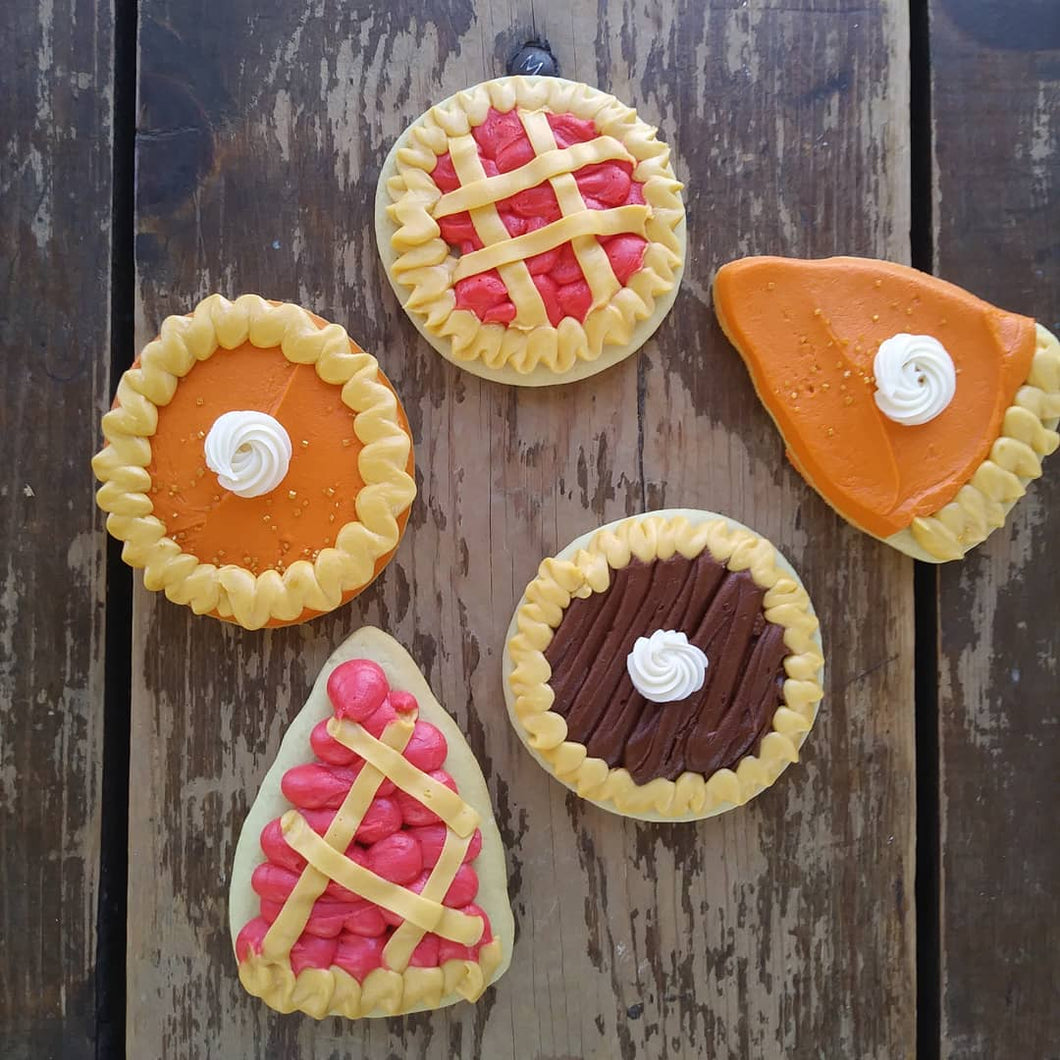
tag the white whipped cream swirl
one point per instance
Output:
(915, 378)
(665, 667)
(249, 452)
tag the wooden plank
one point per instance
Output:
(997, 214)
(760, 934)
(55, 202)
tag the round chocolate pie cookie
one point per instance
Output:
(667, 666)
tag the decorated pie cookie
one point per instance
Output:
(918, 411)
(666, 667)
(532, 228)
(258, 464)
(369, 877)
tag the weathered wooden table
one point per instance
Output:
(895, 894)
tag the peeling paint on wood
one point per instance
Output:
(55, 162)
(996, 101)
(759, 934)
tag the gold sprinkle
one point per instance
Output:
(943, 322)
(839, 364)
(305, 444)
(246, 559)
(347, 441)
(848, 400)
(200, 434)
(266, 518)
(200, 472)
(770, 286)
(909, 311)
(797, 409)
(268, 502)
(817, 312)
(176, 515)
(877, 283)
(331, 517)
(794, 395)
(285, 545)
(198, 401)
(826, 386)
(305, 504)
(330, 491)
(875, 317)
(846, 374)
(217, 498)
(274, 527)
(297, 513)
(830, 431)
(316, 552)
(221, 552)
(292, 494)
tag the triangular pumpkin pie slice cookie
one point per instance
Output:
(369, 877)
(918, 411)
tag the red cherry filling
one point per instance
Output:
(399, 839)
(503, 146)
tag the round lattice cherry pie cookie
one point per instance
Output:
(369, 877)
(533, 229)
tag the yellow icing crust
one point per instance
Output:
(321, 992)
(786, 603)
(426, 266)
(1028, 433)
(230, 590)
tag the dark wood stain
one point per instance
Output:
(55, 157)
(997, 214)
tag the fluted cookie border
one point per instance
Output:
(231, 591)
(1028, 433)
(321, 992)
(584, 567)
(419, 264)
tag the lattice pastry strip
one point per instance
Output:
(290, 923)
(529, 308)
(327, 861)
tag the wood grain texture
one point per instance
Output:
(784, 929)
(996, 103)
(55, 198)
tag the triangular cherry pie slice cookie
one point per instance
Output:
(369, 877)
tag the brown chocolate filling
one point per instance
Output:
(721, 612)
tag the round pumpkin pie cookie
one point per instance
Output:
(258, 464)
(666, 667)
(532, 228)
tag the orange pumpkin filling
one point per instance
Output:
(809, 331)
(295, 520)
